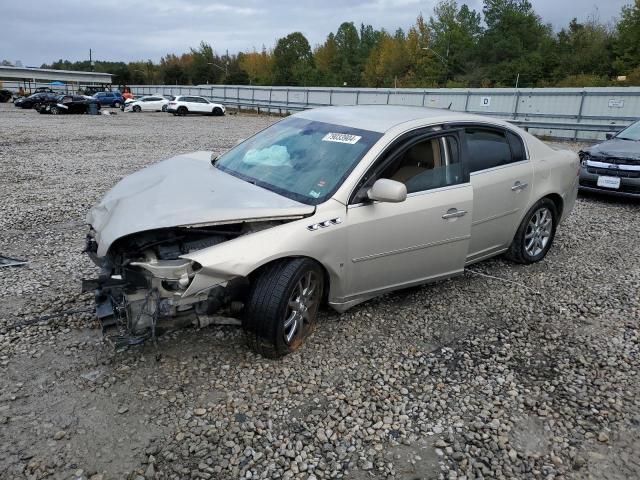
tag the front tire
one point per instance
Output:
(535, 234)
(116, 104)
(217, 111)
(54, 110)
(282, 306)
(164, 108)
(137, 109)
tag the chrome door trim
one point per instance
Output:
(409, 249)
(499, 167)
(417, 194)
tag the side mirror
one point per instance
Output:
(609, 135)
(386, 190)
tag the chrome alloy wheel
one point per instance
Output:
(302, 306)
(538, 232)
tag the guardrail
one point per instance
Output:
(570, 113)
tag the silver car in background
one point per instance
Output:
(334, 205)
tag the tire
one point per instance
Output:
(136, 108)
(535, 234)
(116, 104)
(182, 111)
(36, 106)
(54, 110)
(217, 111)
(282, 306)
(164, 108)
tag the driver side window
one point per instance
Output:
(431, 163)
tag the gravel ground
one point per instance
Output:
(529, 372)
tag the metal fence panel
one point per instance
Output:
(592, 111)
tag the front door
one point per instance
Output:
(425, 237)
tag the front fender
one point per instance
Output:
(243, 255)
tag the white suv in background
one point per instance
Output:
(185, 104)
(148, 103)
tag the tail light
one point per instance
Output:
(173, 103)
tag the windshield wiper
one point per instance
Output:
(627, 138)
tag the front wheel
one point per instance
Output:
(116, 104)
(217, 111)
(137, 109)
(36, 106)
(535, 234)
(282, 306)
(164, 108)
(54, 110)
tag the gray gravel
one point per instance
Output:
(476, 377)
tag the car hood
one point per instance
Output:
(616, 148)
(183, 191)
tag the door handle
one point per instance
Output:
(519, 186)
(454, 213)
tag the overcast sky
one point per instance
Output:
(37, 32)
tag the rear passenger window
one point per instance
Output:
(517, 147)
(487, 149)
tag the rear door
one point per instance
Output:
(426, 237)
(501, 176)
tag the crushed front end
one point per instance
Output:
(145, 288)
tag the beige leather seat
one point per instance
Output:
(416, 160)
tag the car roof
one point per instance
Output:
(381, 118)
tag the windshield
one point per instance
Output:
(632, 132)
(299, 159)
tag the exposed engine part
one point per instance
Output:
(143, 289)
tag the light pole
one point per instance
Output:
(444, 60)
(225, 69)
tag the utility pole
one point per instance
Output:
(90, 61)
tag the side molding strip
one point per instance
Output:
(410, 249)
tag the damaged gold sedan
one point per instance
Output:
(334, 205)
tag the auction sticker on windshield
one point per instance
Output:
(341, 138)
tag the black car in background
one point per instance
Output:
(5, 95)
(35, 100)
(613, 166)
(62, 104)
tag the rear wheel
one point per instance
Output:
(535, 234)
(137, 109)
(182, 111)
(282, 306)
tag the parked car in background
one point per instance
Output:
(149, 103)
(187, 104)
(336, 204)
(68, 104)
(613, 166)
(5, 95)
(109, 99)
(35, 100)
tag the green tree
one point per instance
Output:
(347, 52)
(513, 43)
(293, 61)
(627, 45)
